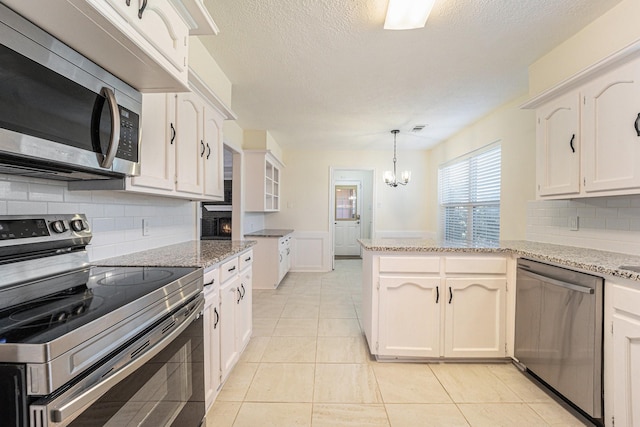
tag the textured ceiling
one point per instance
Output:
(324, 74)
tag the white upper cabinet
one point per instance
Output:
(588, 131)
(157, 149)
(213, 161)
(263, 177)
(558, 146)
(190, 147)
(143, 42)
(611, 130)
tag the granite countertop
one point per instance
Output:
(270, 232)
(602, 262)
(195, 253)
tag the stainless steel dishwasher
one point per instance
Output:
(559, 321)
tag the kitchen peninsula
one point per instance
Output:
(427, 300)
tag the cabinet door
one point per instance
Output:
(409, 316)
(158, 23)
(157, 148)
(626, 354)
(475, 317)
(229, 301)
(243, 314)
(611, 130)
(558, 146)
(212, 346)
(190, 148)
(213, 156)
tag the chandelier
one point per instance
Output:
(391, 178)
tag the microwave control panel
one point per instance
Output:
(129, 135)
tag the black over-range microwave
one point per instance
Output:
(61, 115)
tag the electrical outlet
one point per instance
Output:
(145, 226)
(573, 223)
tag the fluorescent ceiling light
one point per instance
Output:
(407, 14)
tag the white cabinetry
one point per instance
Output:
(625, 355)
(145, 43)
(212, 375)
(558, 146)
(597, 114)
(235, 309)
(263, 177)
(181, 150)
(243, 314)
(611, 123)
(272, 259)
(432, 306)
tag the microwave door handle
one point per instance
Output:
(114, 140)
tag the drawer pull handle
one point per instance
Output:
(248, 259)
(231, 269)
(450, 295)
(437, 294)
(173, 134)
(636, 124)
(217, 317)
(239, 296)
(243, 291)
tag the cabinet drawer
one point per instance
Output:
(476, 265)
(228, 269)
(211, 280)
(626, 299)
(245, 260)
(409, 264)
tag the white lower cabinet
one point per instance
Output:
(626, 355)
(212, 374)
(243, 314)
(227, 319)
(431, 307)
(409, 317)
(272, 261)
(475, 317)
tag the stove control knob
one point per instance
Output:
(58, 226)
(78, 225)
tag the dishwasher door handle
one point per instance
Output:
(578, 288)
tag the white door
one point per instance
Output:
(626, 351)
(347, 220)
(611, 130)
(558, 147)
(409, 316)
(475, 317)
(190, 148)
(229, 300)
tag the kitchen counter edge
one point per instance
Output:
(194, 253)
(592, 260)
(270, 232)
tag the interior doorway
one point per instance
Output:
(351, 211)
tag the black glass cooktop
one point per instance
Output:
(91, 294)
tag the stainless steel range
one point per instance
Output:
(85, 345)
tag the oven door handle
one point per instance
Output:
(67, 406)
(571, 286)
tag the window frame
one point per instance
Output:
(468, 199)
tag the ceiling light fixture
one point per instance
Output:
(390, 178)
(407, 14)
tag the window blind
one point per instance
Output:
(469, 193)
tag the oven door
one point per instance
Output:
(158, 380)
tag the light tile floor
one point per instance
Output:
(307, 364)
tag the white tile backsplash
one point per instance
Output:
(606, 223)
(115, 217)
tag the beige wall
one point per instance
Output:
(306, 181)
(609, 33)
(515, 129)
